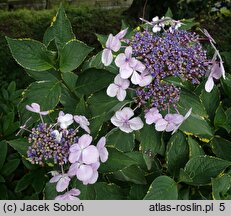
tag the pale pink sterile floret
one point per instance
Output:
(122, 119)
(145, 79)
(83, 122)
(152, 116)
(65, 120)
(171, 122)
(62, 181)
(129, 66)
(69, 195)
(121, 34)
(112, 44)
(103, 153)
(217, 70)
(95, 174)
(83, 172)
(34, 107)
(118, 88)
(83, 151)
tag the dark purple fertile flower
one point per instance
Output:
(50, 144)
(172, 53)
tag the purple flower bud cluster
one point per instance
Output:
(58, 144)
(157, 94)
(45, 145)
(172, 53)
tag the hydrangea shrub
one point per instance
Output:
(151, 107)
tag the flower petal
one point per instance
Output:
(121, 95)
(122, 33)
(120, 60)
(85, 140)
(90, 155)
(136, 123)
(126, 128)
(107, 57)
(84, 172)
(209, 84)
(63, 184)
(126, 113)
(161, 125)
(73, 169)
(125, 71)
(112, 90)
(74, 156)
(136, 78)
(115, 121)
(55, 178)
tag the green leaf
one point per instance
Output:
(131, 174)
(190, 100)
(39, 179)
(201, 169)
(137, 192)
(72, 55)
(221, 148)
(93, 80)
(176, 153)
(194, 148)
(70, 80)
(21, 145)
(197, 126)
(31, 54)
(48, 36)
(87, 192)
(2, 180)
(162, 188)
(169, 13)
(104, 191)
(49, 75)
(9, 167)
(116, 161)
(124, 142)
(102, 39)
(24, 182)
(100, 103)
(220, 119)
(45, 93)
(210, 101)
(220, 186)
(150, 140)
(3, 152)
(49, 192)
(226, 85)
(62, 29)
(96, 62)
(3, 194)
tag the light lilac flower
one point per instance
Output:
(83, 122)
(70, 195)
(65, 120)
(145, 79)
(152, 116)
(118, 88)
(87, 173)
(113, 44)
(34, 107)
(171, 122)
(217, 70)
(128, 66)
(62, 181)
(84, 172)
(95, 174)
(83, 151)
(122, 119)
(103, 153)
(156, 27)
(122, 33)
